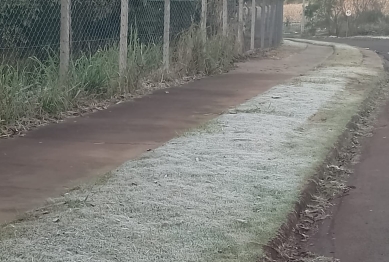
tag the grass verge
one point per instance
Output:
(330, 175)
(217, 194)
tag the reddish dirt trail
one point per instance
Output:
(50, 159)
(359, 228)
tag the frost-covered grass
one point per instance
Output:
(218, 193)
(370, 36)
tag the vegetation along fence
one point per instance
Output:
(58, 55)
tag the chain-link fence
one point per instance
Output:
(56, 54)
(292, 29)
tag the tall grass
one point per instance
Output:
(32, 89)
(193, 56)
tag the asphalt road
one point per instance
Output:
(381, 46)
(359, 228)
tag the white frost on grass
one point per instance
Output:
(370, 36)
(214, 194)
(295, 44)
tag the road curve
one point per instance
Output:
(359, 228)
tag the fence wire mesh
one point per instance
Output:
(28, 28)
(183, 14)
(292, 28)
(94, 25)
(32, 28)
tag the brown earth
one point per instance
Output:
(50, 160)
(293, 12)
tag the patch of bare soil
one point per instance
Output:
(326, 186)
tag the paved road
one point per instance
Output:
(381, 46)
(359, 229)
(41, 164)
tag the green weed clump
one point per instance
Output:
(31, 89)
(193, 56)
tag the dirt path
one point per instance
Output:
(359, 228)
(48, 160)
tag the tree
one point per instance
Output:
(325, 14)
(331, 14)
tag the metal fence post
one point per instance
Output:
(272, 24)
(275, 36)
(263, 24)
(225, 17)
(123, 49)
(278, 22)
(166, 36)
(268, 20)
(203, 22)
(253, 20)
(240, 26)
(281, 21)
(64, 41)
(303, 19)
